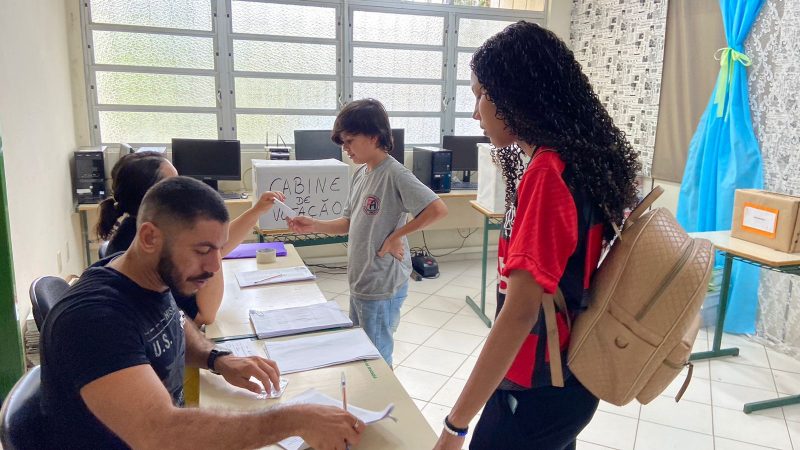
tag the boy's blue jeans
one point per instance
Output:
(379, 319)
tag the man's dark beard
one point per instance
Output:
(168, 271)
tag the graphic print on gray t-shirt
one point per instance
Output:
(380, 201)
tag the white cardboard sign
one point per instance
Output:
(315, 188)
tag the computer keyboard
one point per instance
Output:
(463, 186)
(230, 195)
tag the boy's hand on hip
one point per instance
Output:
(392, 245)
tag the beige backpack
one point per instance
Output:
(644, 314)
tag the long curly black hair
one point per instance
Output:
(545, 99)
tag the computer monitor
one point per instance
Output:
(399, 145)
(208, 160)
(465, 152)
(315, 144)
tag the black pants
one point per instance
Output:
(545, 418)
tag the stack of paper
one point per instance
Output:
(272, 276)
(283, 322)
(313, 352)
(314, 397)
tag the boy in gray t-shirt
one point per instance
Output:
(382, 194)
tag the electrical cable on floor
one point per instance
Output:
(330, 270)
(463, 241)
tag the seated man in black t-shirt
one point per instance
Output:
(114, 348)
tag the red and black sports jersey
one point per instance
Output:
(554, 232)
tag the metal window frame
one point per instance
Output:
(537, 17)
(224, 74)
(405, 9)
(91, 68)
(233, 74)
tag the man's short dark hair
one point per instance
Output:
(181, 200)
(366, 116)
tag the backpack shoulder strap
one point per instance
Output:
(643, 205)
(556, 374)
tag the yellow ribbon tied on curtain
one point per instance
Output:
(726, 57)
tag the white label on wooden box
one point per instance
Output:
(760, 219)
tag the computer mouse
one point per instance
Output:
(245, 195)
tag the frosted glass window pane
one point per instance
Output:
(155, 50)
(402, 97)
(530, 5)
(155, 127)
(463, 71)
(284, 57)
(397, 28)
(186, 14)
(467, 126)
(383, 62)
(119, 88)
(473, 32)
(283, 20)
(253, 128)
(535, 5)
(465, 99)
(419, 130)
(287, 94)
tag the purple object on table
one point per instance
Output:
(249, 250)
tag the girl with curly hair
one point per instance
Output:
(530, 91)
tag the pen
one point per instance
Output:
(344, 399)
(344, 392)
(268, 278)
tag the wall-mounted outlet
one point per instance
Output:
(59, 262)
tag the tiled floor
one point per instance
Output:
(439, 339)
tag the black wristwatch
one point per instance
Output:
(216, 352)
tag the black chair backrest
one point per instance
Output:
(45, 293)
(23, 422)
(102, 252)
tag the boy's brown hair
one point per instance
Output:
(366, 116)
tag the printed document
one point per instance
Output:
(329, 349)
(315, 397)
(272, 276)
(283, 322)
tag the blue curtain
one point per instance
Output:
(724, 156)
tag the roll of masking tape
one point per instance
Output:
(266, 256)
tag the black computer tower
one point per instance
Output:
(89, 181)
(433, 166)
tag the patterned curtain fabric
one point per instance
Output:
(620, 46)
(775, 100)
(724, 156)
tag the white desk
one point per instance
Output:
(756, 255)
(232, 318)
(370, 384)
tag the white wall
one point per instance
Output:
(669, 199)
(38, 129)
(559, 14)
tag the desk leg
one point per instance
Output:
(774, 403)
(87, 251)
(481, 311)
(724, 296)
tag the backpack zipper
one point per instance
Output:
(681, 262)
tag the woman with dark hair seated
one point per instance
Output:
(530, 91)
(131, 177)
